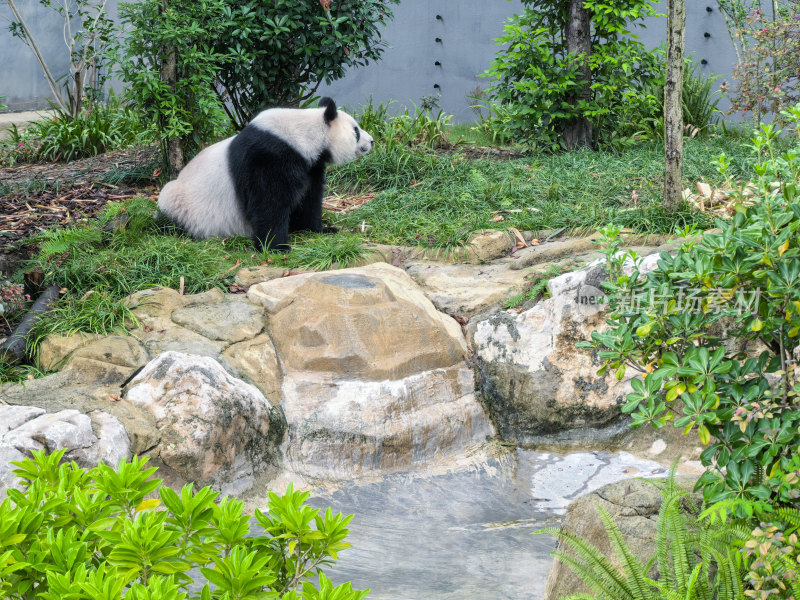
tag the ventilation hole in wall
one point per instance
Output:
(709, 9)
(439, 18)
(438, 40)
(704, 62)
(438, 64)
(706, 35)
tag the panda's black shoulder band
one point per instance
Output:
(330, 109)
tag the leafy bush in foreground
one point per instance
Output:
(74, 534)
(714, 332)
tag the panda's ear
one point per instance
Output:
(330, 109)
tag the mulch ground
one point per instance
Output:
(78, 172)
(39, 196)
(23, 215)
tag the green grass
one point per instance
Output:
(469, 133)
(537, 286)
(11, 373)
(438, 199)
(320, 252)
(96, 311)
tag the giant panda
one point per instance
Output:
(267, 180)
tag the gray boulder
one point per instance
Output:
(87, 439)
(213, 429)
(634, 506)
(536, 385)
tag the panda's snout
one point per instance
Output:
(367, 145)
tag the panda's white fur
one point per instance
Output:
(202, 200)
(267, 180)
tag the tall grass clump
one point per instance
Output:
(62, 137)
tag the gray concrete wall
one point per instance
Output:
(21, 79)
(409, 70)
(434, 47)
(22, 82)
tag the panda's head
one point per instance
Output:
(346, 140)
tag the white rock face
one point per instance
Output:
(214, 429)
(348, 428)
(536, 384)
(87, 439)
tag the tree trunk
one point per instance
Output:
(76, 102)
(171, 147)
(578, 131)
(169, 73)
(673, 109)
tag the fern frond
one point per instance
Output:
(678, 540)
(635, 570)
(60, 241)
(603, 584)
(728, 576)
(692, 583)
(790, 515)
(598, 573)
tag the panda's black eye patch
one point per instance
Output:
(358, 133)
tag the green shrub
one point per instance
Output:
(699, 100)
(187, 110)
(417, 128)
(534, 78)
(278, 52)
(90, 535)
(767, 75)
(693, 560)
(774, 552)
(232, 59)
(713, 331)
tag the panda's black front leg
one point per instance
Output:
(307, 216)
(272, 232)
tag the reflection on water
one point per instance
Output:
(466, 534)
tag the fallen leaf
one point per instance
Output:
(704, 189)
(396, 262)
(535, 242)
(497, 219)
(147, 329)
(521, 243)
(114, 397)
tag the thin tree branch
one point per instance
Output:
(51, 82)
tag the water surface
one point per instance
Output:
(466, 534)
